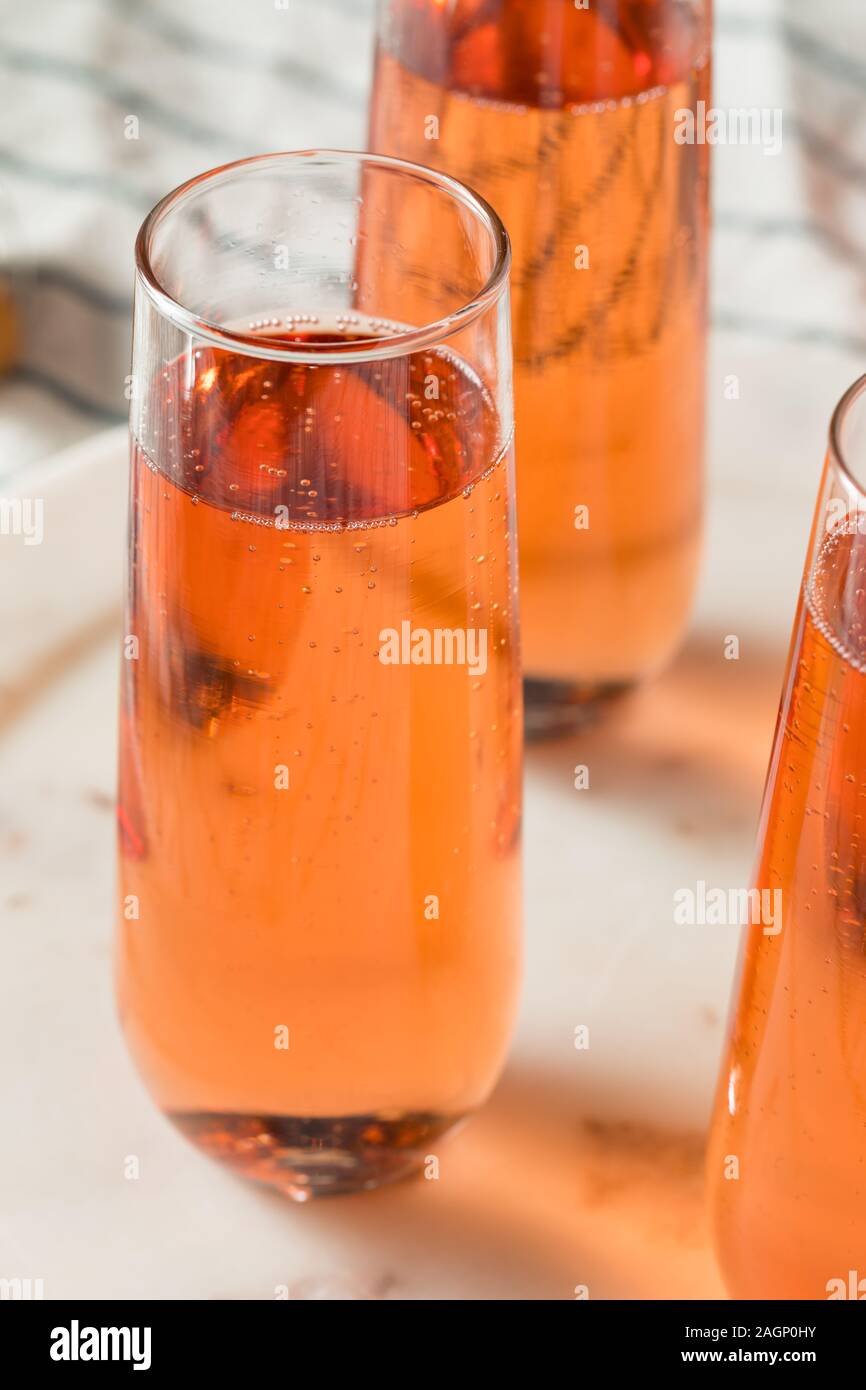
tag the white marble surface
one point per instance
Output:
(585, 1168)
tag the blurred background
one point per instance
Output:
(585, 1168)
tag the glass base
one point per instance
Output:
(554, 707)
(317, 1157)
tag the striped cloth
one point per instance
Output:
(208, 81)
(212, 80)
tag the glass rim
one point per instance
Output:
(840, 415)
(395, 344)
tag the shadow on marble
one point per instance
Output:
(691, 747)
(532, 1201)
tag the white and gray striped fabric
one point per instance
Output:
(213, 80)
(208, 81)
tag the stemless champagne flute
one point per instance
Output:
(787, 1157)
(320, 755)
(566, 119)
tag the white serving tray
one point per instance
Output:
(585, 1168)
